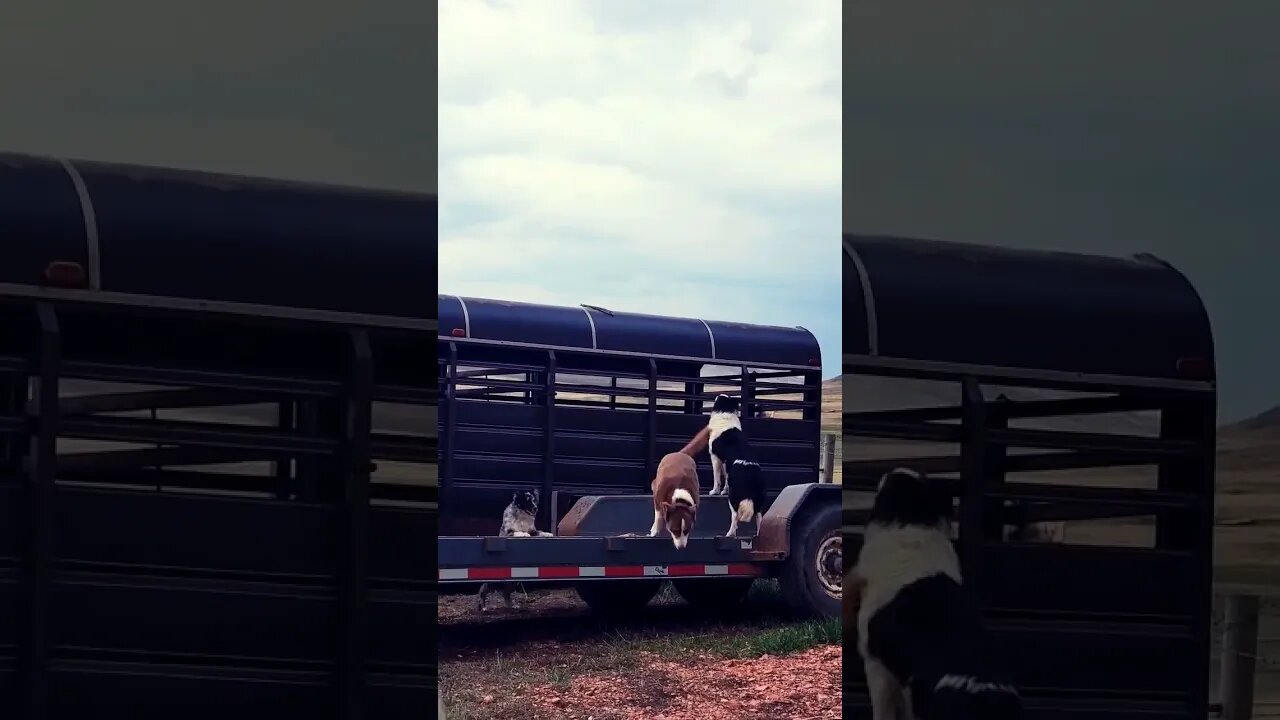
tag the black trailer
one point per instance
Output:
(579, 404)
(216, 446)
(1016, 350)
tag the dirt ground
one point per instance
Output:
(551, 659)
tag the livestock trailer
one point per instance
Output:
(579, 404)
(1065, 389)
(216, 446)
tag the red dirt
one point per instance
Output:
(803, 686)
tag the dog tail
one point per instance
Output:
(699, 442)
(746, 510)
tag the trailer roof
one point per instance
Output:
(966, 304)
(207, 236)
(597, 328)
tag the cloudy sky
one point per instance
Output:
(325, 90)
(1147, 125)
(669, 157)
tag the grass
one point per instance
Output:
(502, 674)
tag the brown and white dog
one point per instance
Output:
(675, 491)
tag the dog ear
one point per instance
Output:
(665, 507)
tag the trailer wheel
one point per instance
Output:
(712, 594)
(810, 576)
(617, 597)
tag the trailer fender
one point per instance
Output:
(791, 506)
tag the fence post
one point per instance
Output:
(1239, 656)
(828, 457)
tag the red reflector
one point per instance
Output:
(459, 332)
(815, 362)
(62, 273)
(1195, 369)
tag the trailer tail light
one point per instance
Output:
(459, 332)
(65, 274)
(1195, 368)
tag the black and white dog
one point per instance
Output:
(734, 469)
(919, 631)
(517, 521)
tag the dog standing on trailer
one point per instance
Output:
(735, 471)
(919, 632)
(517, 521)
(675, 491)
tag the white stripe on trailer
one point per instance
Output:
(554, 572)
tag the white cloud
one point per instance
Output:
(671, 157)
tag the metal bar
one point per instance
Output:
(12, 424)
(994, 457)
(1098, 442)
(483, 552)
(449, 412)
(901, 431)
(14, 441)
(307, 467)
(1239, 653)
(1141, 500)
(271, 386)
(353, 577)
(651, 430)
(565, 350)
(549, 444)
(1201, 480)
(172, 305)
(38, 643)
(155, 457)
(829, 457)
(813, 397)
(1024, 409)
(1049, 379)
(867, 472)
(155, 399)
(406, 395)
(190, 433)
(282, 467)
(748, 393)
(973, 470)
(405, 448)
(150, 479)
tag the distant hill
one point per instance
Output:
(1265, 420)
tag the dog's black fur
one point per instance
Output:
(517, 521)
(930, 634)
(742, 470)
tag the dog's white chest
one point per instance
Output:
(894, 557)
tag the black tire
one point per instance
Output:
(801, 580)
(712, 594)
(617, 597)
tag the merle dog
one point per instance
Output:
(517, 521)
